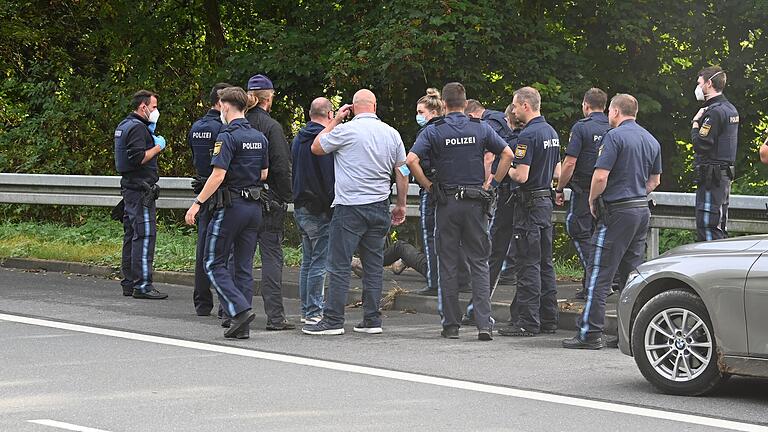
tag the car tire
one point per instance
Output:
(687, 363)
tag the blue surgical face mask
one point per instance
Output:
(421, 120)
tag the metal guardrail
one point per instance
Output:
(673, 210)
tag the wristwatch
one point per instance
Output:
(198, 202)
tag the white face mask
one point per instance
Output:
(699, 93)
(223, 118)
(153, 116)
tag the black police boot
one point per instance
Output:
(282, 325)
(611, 341)
(226, 322)
(243, 333)
(580, 295)
(239, 322)
(152, 294)
(485, 334)
(127, 291)
(549, 328)
(590, 343)
(427, 291)
(516, 331)
(450, 332)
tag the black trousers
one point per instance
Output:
(271, 251)
(536, 298)
(461, 230)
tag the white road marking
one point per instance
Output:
(65, 426)
(402, 376)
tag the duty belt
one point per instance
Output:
(633, 203)
(538, 193)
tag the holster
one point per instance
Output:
(220, 199)
(252, 193)
(150, 194)
(270, 203)
(118, 211)
(198, 182)
(602, 208)
(437, 194)
(487, 198)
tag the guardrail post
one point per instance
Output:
(652, 244)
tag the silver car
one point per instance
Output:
(698, 314)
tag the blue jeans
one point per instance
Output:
(314, 247)
(362, 228)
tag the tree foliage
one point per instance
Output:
(68, 67)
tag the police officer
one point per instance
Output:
(536, 159)
(232, 193)
(261, 93)
(502, 222)
(628, 168)
(136, 150)
(456, 147)
(714, 133)
(201, 139)
(578, 165)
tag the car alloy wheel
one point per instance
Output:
(678, 344)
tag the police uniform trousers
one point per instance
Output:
(427, 224)
(619, 246)
(201, 295)
(139, 236)
(712, 208)
(536, 296)
(462, 226)
(502, 229)
(233, 231)
(271, 251)
(580, 225)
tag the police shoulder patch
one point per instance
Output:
(217, 147)
(704, 131)
(521, 150)
(600, 150)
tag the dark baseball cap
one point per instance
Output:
(260, 82)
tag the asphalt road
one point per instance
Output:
(132, 365)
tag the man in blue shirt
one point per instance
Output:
(536, 161)
(313, 182)
(628, 168)
(578, 165)
(201, 138)
(456, 147)
(240, 166)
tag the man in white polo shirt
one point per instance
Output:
(367, 151)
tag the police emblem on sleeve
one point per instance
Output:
(600, 150)
(704, 131)
(217, 147)
(521, 150)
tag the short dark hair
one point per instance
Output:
(142, 97)
(472, 106)
(596, 98)
(454, 95)
(234, 96)
(625, 103)
(718, 80)
(214, 96)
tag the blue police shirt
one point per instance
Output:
(632, 155)
(513, 137)
(201, 138)
(585, 142)
(538, 146)
(498, 122)
(455, 146)
(242, 151)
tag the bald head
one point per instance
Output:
(364, 101)
(320, 108)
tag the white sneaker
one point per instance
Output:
(362, 327)
(313, 320)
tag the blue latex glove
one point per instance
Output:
(160, 141)
(152, 127)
